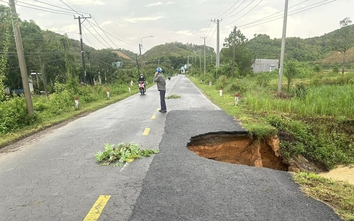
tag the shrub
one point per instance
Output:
(14, 115)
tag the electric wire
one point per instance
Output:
(262, 21)
(41, 8)
(228, 9)
(94, 36)
(247, 12)
(278, 12)
(119, 39)
(240, 11)
(104, 32)
(52, 5)
(82, 14)
(109, 46)
(209, 29)
(236, 8)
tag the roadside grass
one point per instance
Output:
(320, 133)
(338, 195)
(46, 118)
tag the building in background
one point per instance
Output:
(265, 65)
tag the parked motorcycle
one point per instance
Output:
(142, 87)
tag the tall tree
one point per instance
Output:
(343, 40)
(244, 57)
(291, 70)
(5, 27)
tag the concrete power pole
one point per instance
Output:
(204, 56)
(234, 52)
(282, 54)
(82, 46)
(21, 57)
(217, 41)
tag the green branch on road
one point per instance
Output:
(173, 96)
(122, 153)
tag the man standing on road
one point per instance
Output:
(161, 86)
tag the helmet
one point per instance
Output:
(159, 70)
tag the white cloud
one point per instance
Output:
(135, 20)
(158, 3)
(154, 4)
(184, 32)
(90, 2)
(66, 29)
(106, 23)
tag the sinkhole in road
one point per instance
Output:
(236, 148)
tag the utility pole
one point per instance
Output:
(41, 64)
(282, 54)
(82, 45)
(234, 52)
(200, 61)
(217, 41)
(21, 57)
(204, 55)
(137, 63)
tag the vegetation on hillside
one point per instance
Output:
(304, 50)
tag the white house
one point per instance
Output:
(265, 65)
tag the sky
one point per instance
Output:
(126, 23)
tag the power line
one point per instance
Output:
(99, 34)
(247, 12)
(235, 8)
(52, 5)
(104, 32)
(240, 11)
(228, 9)
(209, 29)
(94, 36)
(82, 14)
(272, 15)
(113, 36)
(40, 8)
(273, 18)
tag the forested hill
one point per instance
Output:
(176, 54)
(309, 49)
(177, 49)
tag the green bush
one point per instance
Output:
(14, 115)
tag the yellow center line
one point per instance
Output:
(153, 117)
(146, 131)
(97, 208)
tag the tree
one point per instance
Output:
(343, 40)
(5, 28)
(244, 57)
(291, 71)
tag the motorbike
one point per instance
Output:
(169, 77)
(142, 87)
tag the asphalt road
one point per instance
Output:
(53, 175)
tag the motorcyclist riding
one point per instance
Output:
(142, 78)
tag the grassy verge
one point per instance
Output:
(64, 116)
(338, 195)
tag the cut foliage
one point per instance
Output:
(122, 153)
